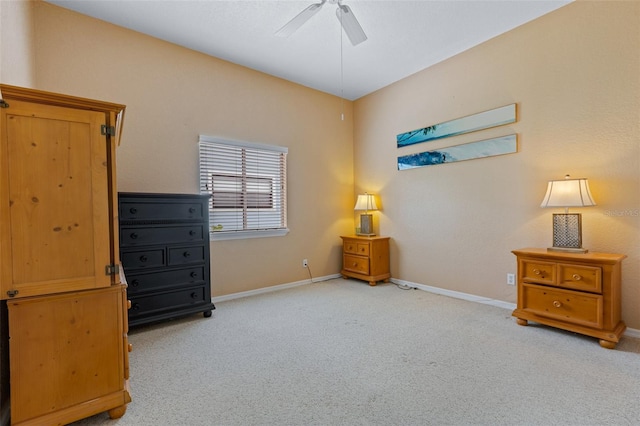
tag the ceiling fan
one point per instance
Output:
(344, 14)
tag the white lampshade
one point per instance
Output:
(366, 202)
(567, 228)
(568, 193)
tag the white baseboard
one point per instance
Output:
(457, 294)
(272, 288)
(632, 332)
(629, 332)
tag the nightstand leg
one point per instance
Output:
(521, 321)
(117, 412)
(372, 283)
(607, 344)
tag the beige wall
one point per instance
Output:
(575, 76)
(172, 95)
(17, 66)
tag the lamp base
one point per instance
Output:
(567, 233)
(366, 226)
(568, 249)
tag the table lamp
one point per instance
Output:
(367, 203)
(567, 227)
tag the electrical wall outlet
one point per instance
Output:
(305, 263)
(511, 279)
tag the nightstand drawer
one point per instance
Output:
(586, 278)
(355, 247)
(356, 264)
(564, 305)
(535, 271)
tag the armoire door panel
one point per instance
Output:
(58, 192)
(64, 348)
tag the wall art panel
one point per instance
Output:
(471, 123)
(468, 151)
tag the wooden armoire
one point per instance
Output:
(63, 297)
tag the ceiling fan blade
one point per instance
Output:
(293, 25)
(350, 24)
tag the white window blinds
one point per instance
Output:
(247, 184)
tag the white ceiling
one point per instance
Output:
(404, 37)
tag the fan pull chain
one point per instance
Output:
(341, 68)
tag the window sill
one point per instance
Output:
(242, 235)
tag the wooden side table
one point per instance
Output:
(365, 258)
(578, 292)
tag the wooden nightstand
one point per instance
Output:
(366, 258)
(574, 292)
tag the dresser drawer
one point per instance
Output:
(150, 235)
(356, 264)
(158, 210)
(150, 258)
(356, 247)
(151, 281)
(579, 277)
(185, 255)
(535, 271)
(167, 300)
(565, 305)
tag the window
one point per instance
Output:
(238, 192)
(248, 187)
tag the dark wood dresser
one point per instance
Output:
(164, 249)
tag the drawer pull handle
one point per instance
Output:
(134, 236)
(143, 258)
(192, 232)
(192, 210)
(355, 263)
(557, 303)
(129, 347)
(128, 304)
(193, 274)
(194, 295)
(186, 254)
(135, 283)
(576, 277)
(133, 210)
(136, 307)
(537, 271)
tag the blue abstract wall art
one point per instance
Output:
(471, 123)
(468, 151)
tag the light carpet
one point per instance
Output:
(340, 352)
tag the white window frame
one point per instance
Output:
(209, 167)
